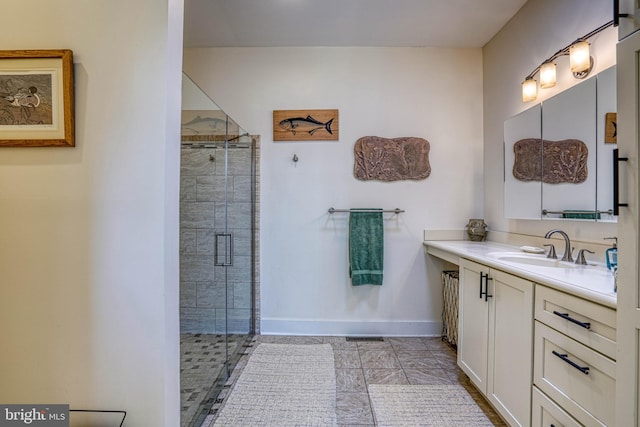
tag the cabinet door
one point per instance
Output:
(628, 322)
(473, 323)
(510, 347)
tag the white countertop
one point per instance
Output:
(593, 282)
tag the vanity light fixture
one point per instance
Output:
(580, 61)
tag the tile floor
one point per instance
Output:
(202, 358)
(360, 363)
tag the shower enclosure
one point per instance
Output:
(218, 240)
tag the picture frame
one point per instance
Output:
(611, 128)
(36, 98)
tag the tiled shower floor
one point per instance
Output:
(202, 358)
(360, 363)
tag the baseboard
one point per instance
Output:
(350, 328)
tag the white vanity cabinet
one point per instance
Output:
(495, 338)
(574, 371)
(544, 349)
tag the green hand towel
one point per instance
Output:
(574, 214)
(366, 247)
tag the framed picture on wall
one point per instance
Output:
(611, 128)
(305, 125)
(36, 98)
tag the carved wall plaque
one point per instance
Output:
(562, 161)
(391, 159)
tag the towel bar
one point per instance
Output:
(546, 212)
(395, 211)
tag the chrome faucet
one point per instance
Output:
(567, 244)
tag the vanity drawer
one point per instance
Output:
(546, 413)
(587, 394)
(592, 324)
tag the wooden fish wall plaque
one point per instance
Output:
(305, 125)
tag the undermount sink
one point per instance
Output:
(530, 259)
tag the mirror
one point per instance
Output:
(569, 153)
(522, 198)
(558, 155)
(606, 141)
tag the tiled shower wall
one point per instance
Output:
(202, 286)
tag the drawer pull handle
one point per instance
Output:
(486, 286)
(583, 369)
(566, 316)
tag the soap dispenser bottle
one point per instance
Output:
(611, 254)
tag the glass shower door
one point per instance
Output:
(216, 250)
(234, 239)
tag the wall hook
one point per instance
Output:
(211, 158)
(295, 158)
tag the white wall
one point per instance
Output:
(88, 235)
(390, 92)
(537, 31)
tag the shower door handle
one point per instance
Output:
(226, 239)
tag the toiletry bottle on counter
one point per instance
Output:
(611, 254)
